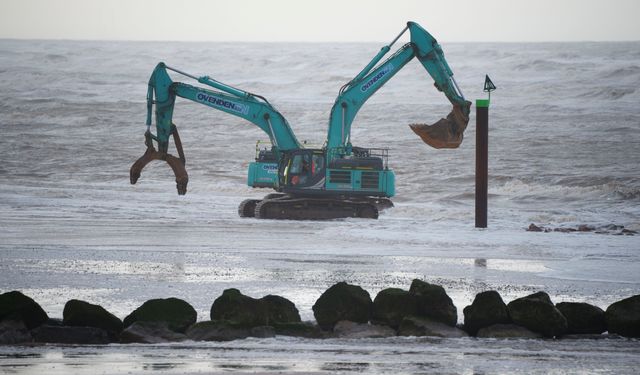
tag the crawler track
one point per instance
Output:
(284, 207)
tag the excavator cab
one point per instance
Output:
(322, 172)
(303, 168)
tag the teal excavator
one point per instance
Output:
(336, 181)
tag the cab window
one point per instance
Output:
(317, 165)
(296, 164)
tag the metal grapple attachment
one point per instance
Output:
(447, 132)
(176, 164)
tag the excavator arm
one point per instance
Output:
(446, 133)
(162, 93)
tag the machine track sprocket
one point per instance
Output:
(247, 207)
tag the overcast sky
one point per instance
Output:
(320, 20)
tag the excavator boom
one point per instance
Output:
(162, 93)
(447, 132)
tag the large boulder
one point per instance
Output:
(280, 310)
(342, 301)
(506, 331)
(178, 314)
(238, 309)
(391, 305)
(537, 313)
(487, 309)
(351, 330)
(84, 314)
(150, 332)
(217, 331)
(54, 322)
(16, 306)
(263, 332)
(14, 332)
(433, 302)
(226, 331)
(303, 329)
(623, 317)
(70, 335)
(582, 318)
(415, 326)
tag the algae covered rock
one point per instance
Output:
(415, 326)
(226, 331)
(623, 317)
(16, 306)
(217, 331)
(280, 310)
(506, 331)
(302, 329)
(342, 301)
(352, 330)
(176, 313)
(70, 335)
(239, 309)
(433, 302)
(582, 318)
(14, 332)
(234, 307)
(84, 314)
(263, 332)
(150, 332)
(537, 313)
(487, 309)
(391, 305)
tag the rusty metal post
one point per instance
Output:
(482, 159)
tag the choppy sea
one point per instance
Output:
(564, 150)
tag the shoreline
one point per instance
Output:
(297, 356)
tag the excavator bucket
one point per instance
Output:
(447, 132)
(176, 164)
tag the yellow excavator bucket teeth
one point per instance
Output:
(447, 132)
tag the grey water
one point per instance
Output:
(564, 150)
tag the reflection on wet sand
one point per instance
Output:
(282, 355)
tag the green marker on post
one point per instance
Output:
(482, 103)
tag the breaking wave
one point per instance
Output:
(575, 190)
(608, 93)
(624, 72)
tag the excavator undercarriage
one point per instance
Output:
(288, 207)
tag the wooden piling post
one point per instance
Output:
(482, 160)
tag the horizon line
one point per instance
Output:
(298, 41)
